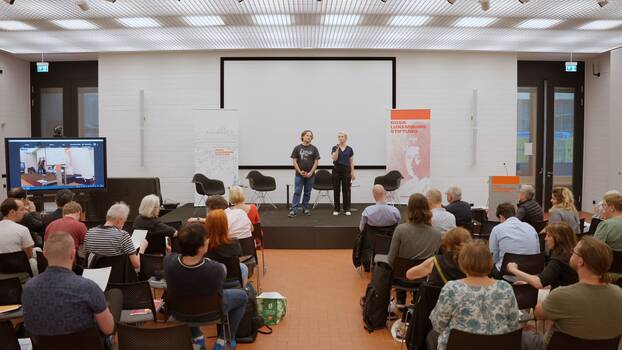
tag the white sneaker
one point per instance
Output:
(348, 213)
(335, 213)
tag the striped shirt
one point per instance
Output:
(108, 241)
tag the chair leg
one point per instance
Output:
(317, 199)
(270, 201)
(254, 199)
(263, 259)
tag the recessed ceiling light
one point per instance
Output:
(15, 25)
(601, 24)
(74, 24)
(538, 23)
(341, 20)
(272, 20)
(139, 22)
(409, 20)
(475, 21)
(204, 21)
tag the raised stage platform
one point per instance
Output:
(321, 230)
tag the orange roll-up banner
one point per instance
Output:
(408, 149)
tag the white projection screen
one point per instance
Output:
(277, 99)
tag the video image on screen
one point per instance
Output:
(57, 166)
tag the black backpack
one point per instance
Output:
(251, 322)
(377, 298)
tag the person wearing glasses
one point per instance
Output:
(589, 309)
(559, 240)
(511, 236)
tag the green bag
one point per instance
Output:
(271, 306)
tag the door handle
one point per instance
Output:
(549, 173)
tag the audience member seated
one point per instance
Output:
(443, 267)
(511, 236)
(13, 236)
(190, 274)
(529, 211)
(110, 239)
(610, 230)
(599, 207)
(62, 197)
(70, 223)
(560, 239)
(590, 309)
(60, 302)
(476, 304)
(237, 198)
(32, 219)
(460, 209)
(442, 220)
(240, 225)
(220, 244)
(147, 219)
(563, 209)
(416, 238)
(380, 214)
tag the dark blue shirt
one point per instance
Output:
(202, 279)
(60, 302)
(343, 157)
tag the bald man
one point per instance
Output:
(380, 214)
(81, 302)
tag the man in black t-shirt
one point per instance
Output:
(305, 157)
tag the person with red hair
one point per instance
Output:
(220, 245)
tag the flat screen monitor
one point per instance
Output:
(38, 164)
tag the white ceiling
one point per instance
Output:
(327, 24)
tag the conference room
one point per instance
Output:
(348, 164)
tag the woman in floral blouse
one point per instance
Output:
(476, 304)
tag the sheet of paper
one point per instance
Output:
(138, 236)
(528, 149)
(99, 276)
(25, 343)
(9, 308)
(271, 295)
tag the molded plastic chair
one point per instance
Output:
(485, 230)
(526, 296)
(323, 185)
(206, 187)
(8, 336)
(261, 185)
(532, 264)
(15, 265)
(86, 339)
(248, 249)
(11, 294)
(234, 274)
(136, 296)
(391, 183)
(198, 311)
(176, 337)
(593, 226)
(122, 269)
(152, 270)
(258, 235)
(398, 274)
(616, 264)
(563, 341)
(459, 340)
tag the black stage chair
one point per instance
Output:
(206, 187)
(563, 341)
(323, 185)
(234, 274)
(485, 230)
(593, 226)
(261, 185)
(398, 275)
(152, 270)
(258, 235)
(249, 249)
(459, 340)
(532, 264)
(391, 182)
(164, 338)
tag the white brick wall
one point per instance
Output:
(175, 83)
(602, 163)
(14, 102)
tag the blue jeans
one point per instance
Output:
(301, 182)
(235, 304)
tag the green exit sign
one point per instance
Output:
(43, 67)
